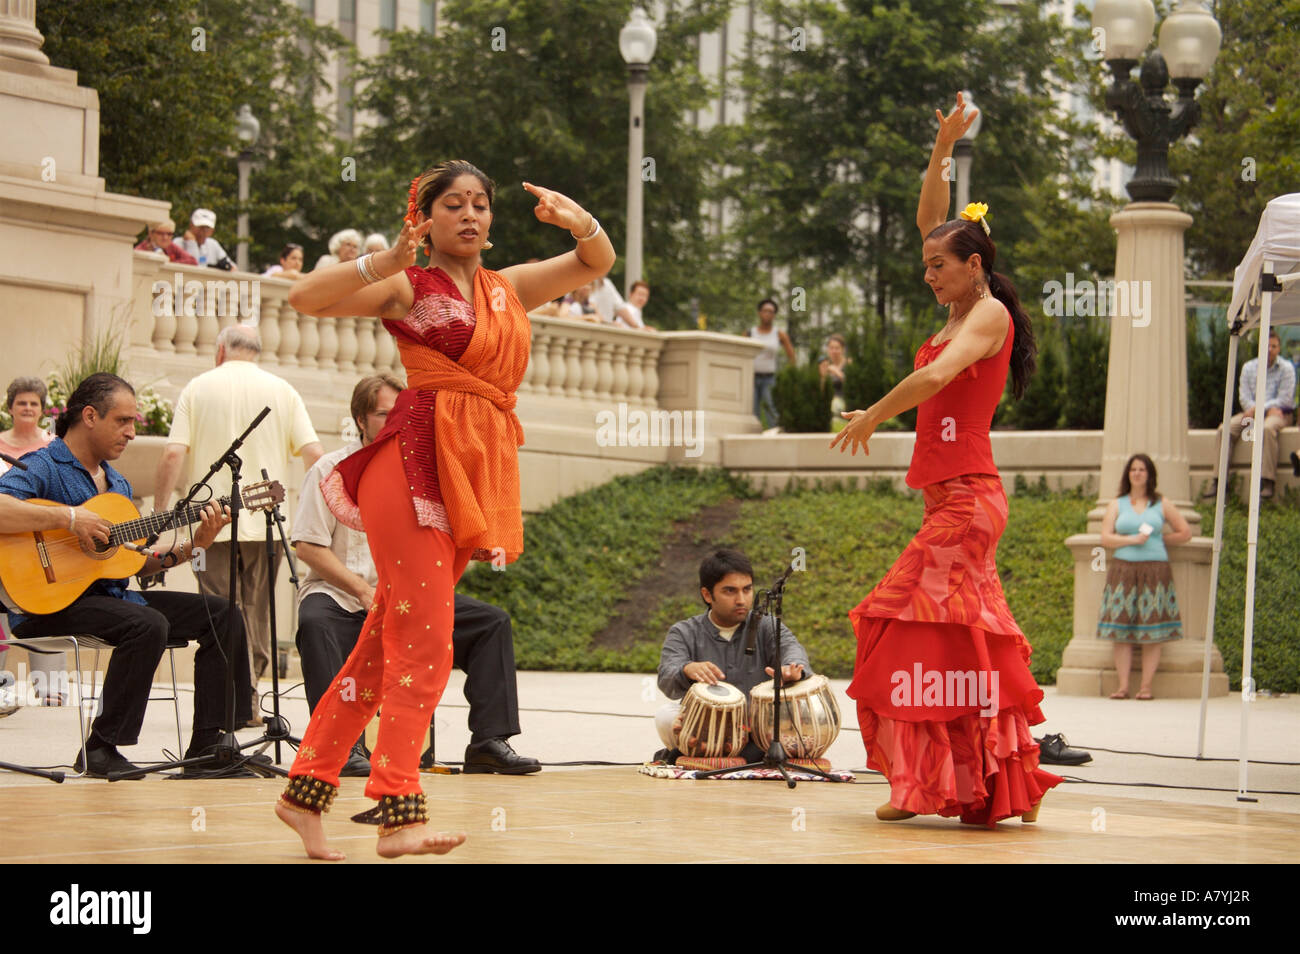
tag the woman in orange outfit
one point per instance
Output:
(942, 682)
(438, 487)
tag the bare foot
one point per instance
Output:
(310, 830)
(418, 840)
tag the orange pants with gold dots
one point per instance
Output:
(403, 656)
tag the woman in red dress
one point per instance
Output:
(438, 486)
(945, 697)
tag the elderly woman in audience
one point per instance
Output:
(25, 402)
(375, 242)
(345, 246)
(290, 266)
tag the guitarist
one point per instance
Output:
(96, 427)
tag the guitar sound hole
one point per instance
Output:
(102, 547)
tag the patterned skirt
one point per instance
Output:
(1139, 604)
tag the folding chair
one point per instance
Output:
(49, 645)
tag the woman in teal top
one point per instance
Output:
(1138, 605)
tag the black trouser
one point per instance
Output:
(483, 646)
(139, 635)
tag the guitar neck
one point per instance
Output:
(157, 523)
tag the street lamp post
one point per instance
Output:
(247, 129)
(964, 151)
(1146, 376)
(636, 42)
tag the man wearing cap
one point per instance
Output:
(159, 239)
(203, 247)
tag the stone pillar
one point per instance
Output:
(1146, 411)
(19, 37)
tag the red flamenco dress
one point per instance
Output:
(937, 644)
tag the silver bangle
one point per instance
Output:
(595, 230)
(367, 270)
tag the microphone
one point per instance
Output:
(12, 461)
(748, 630)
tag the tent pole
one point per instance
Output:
(1252, 537)
(1221, 468)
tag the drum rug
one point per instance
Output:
(662, 770)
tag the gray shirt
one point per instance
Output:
(697, 640)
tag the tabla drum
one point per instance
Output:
(713, 721)
(810, 716)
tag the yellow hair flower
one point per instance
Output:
(977, 212)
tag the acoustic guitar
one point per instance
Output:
(43, 571)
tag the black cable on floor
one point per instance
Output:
(1161, 755)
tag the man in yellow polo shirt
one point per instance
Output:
(212, 410)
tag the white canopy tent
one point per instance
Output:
(1265, 292)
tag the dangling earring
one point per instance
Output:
(486, 246)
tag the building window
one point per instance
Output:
(429, 16)
(308, 7)
(388, 15)
(347, 11)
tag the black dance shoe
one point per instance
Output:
(496, 755)
(1054, 750)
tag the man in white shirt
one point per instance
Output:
(339, 587)
(212, 410)
(203, 247)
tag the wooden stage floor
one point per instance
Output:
(617, 815)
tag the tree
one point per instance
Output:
(504, 86)
(171, 78)
(827, 167)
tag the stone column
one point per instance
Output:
(1146, 411)
(19, 37)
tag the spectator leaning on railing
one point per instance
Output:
(159, 239)
(203, 248)
(290, 266)
(344, 247)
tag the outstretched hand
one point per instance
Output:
(856, 433)
(953, 126)
(402, 255)
(555, 208)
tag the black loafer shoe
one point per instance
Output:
(496, 755)
(99, 762)
(357, 765)
(1295, 463)
(1054, 750)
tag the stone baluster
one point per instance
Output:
(290, 338)
(269, 327)
(605, 365)
(590, 371)
(164, 323)
(205, 342)
(618, 389)
(635, 377)
(572, 366)
(539, 363)
(555, 384)
(385, 349)
(347, 354)
(309, 346)
(650, 372)
(327, 353)
(365, 335)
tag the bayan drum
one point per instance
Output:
(713, 721)
(810, 717)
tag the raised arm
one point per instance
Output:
(539, 282)
(340, 291)
(932, 209)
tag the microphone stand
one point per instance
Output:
(226, 754)
(277, 729)
(775, 757)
